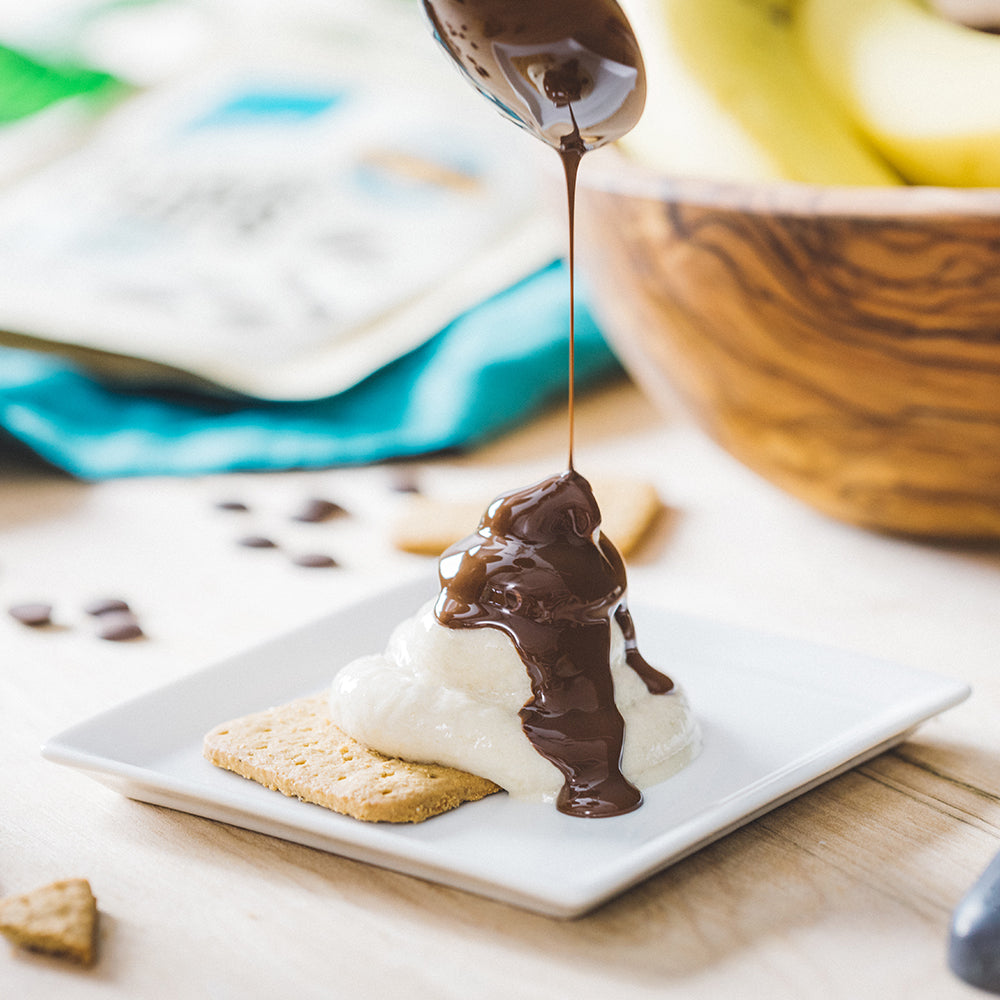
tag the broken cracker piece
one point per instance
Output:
(58, 919)
(295, 749)
(427, 526)
(629, 508)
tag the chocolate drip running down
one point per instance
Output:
(540, 570)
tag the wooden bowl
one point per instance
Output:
(842, 342)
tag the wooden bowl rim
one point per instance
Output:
(614, 173)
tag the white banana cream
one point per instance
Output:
(452, 696)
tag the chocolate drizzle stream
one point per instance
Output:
(539, 568)
(568, 71)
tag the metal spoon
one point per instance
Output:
(568, 71)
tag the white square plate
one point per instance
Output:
(778, 717)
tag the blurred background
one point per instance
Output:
(251, 235)
(260, 235)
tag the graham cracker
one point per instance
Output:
(427, 526)
(58, 919)
(295, 749)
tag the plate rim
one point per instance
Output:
(589, 890)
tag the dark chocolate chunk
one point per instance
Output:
(317, 509)
(256, 542)
(118, 626)
(34, 613)
(974, 941)
(103, 605)
(315, 560)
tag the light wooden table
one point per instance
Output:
(845, 892)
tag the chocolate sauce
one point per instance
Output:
(539, 568)
(565, 70)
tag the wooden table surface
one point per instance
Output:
(845, 892)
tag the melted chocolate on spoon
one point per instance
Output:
(539, 567)
(568, 71)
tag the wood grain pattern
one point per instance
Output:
(843, 894)
(846, 347)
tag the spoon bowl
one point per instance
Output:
(571, 74)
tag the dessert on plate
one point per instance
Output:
(523, 675)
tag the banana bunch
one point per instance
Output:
(924, 90)
(849, 92)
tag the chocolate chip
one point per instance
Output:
(118, 626)
(237, 505)
(104, 605)
(315, 560)
(317, 509)
(34, 613)
(256, 542)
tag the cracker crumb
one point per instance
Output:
(58, 919)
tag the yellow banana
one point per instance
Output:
(731, 96)
(924, 90)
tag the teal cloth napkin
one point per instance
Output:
(488, 371)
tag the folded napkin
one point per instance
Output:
(487, 371)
